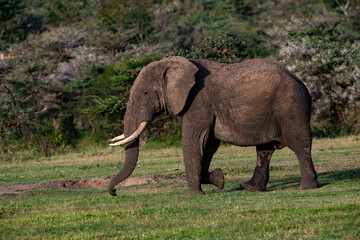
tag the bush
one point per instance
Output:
(105, 92)
(227, 48)
(120, 24)
(326, 57)
(65, 11)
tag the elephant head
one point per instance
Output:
(161, 86)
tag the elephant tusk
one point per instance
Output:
(118, 138)
(132, 137)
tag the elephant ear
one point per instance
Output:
(179, 79)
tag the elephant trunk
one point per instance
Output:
(131, 158)
(131, 150)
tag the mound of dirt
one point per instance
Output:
(99, 183)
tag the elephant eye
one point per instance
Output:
(146, 92)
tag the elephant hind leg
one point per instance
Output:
(215, 177)
(307, 169)
(260, 177)
(300, 142)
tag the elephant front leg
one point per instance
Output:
(196, 133)
(260, 177)
(192, 160)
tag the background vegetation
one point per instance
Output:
(77, 60)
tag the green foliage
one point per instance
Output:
(32, 102)
(50, 139)
(65, 11)
(227, 48)
(30, 23)
(20, 89)
(122, 23)
(326, 57)
(17, 21)
(106, 92)
(163, 131)
(10, 9)
(9, 12)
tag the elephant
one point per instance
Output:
(252, 103)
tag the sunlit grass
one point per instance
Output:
(161, 211)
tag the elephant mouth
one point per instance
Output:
(121, 140)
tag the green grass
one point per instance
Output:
(161, 211)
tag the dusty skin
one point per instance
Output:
(252, 103)
(91, 183)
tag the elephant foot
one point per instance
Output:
(217, 178)
(194, 192)
(253, 187)
(304, 185)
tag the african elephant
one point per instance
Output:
(252, 103)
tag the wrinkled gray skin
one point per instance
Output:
(252, 103)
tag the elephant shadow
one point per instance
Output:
(329, 177)
(325, 178)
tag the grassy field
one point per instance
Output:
(161, 211)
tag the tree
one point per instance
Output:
(9, 12)
(227, 47)
(123, 23)
(324, 52)
(105, 92)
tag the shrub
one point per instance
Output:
(227, 47)
(120, 24)
(106, 92)
(325, 56)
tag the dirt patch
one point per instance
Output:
(99, 183)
